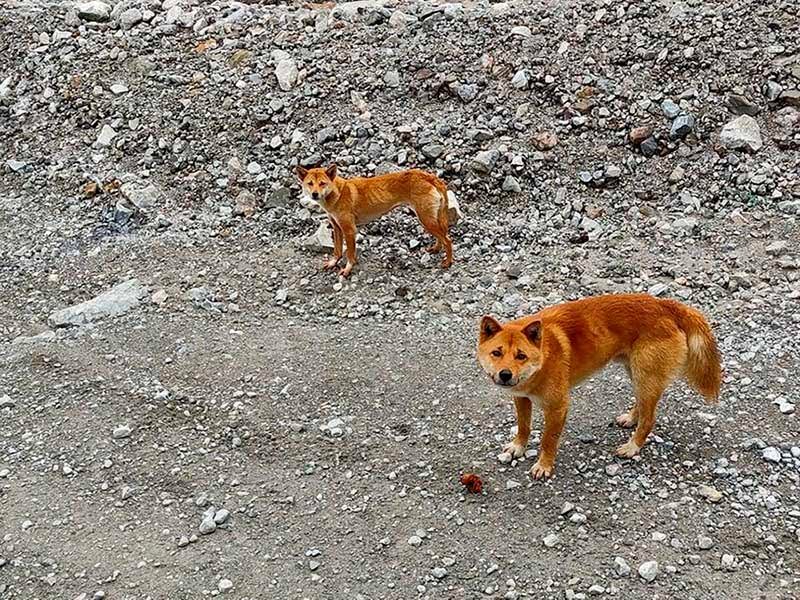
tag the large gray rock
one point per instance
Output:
(485, 161)
(116, 301)
(741, 134)
(682, 126)
(141, 196)
(94, 11)
(130, 18)
(321, 240)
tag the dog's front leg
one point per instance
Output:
(349, 232)
(516, 448)
(555, 415)
(337, 245)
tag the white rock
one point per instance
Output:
(121, 432)
(551, 540)
(224, 585)
(621, 567)
(504, 457)
(648, 570)
(5, 88)
(221, 516)
(130, 18)
(174, 13)
(207, 525)
(107, 135)
(286, 72)
(704, 542)
(6, 401)
(741, 134)
(771, 454)
(709, 493)
(321, 240)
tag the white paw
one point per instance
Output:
(628, 449)
(541, 471)
(626, 420)
(514, 449)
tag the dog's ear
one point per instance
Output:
(301, 172)
(489, 326)
(533, 331)
(331, 172)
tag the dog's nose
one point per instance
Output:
(505, 375)
(315, 195)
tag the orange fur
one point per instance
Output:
(351, 202)
(542, 356)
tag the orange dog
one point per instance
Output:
(351, 202)
(541, 357)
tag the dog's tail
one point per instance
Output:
(444, 220)
(703, 369)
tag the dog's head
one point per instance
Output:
(317, 183)
(510, 354)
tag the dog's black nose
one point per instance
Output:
(505, 375)
(315, 195)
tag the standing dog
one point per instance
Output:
(351, 202)
(541, 357)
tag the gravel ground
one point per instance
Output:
(228, 419)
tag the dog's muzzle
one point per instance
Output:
(505, 378)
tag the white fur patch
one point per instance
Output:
(697, 344)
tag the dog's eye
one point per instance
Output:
(521, 356)
(497, 353)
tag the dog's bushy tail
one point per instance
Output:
(444, 219)
(703, 368)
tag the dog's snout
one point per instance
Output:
(315, 195)
(505, 375)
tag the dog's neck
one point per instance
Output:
(336, 191)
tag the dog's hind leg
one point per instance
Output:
(654, 365)
(429, 218)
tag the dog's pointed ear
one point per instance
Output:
(489, 326)
(331, 172)
(301, 172)
(533, 331)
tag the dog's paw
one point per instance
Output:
(515, 449)
(346, 271)
(628, 449)
(330, 264)
(434, 249)
(626, 420)
(446, 264)
(541, 470)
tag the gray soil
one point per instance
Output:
(325, 423)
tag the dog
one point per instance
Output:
(539, 358)
(351, 202)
